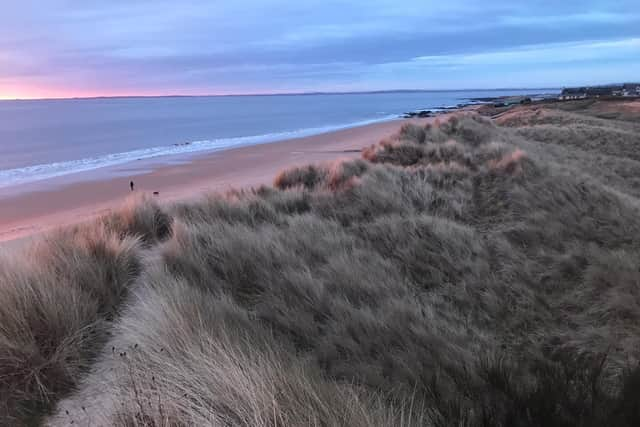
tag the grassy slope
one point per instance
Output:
(459, 274)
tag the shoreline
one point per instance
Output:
(89, 168)
(29, 214)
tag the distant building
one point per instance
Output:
(631, 89)
(573, 93)
(598, 91)
(627, 89)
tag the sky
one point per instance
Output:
(76, 48)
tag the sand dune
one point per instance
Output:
(460, 273)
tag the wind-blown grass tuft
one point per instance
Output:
(56, 303)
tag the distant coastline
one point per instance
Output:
(372, 92)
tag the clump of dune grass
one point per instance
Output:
(397, 153)
(343, 174)
(413, 133)
(330, 175)
(142, 217)
(56, 300)
(307, 177)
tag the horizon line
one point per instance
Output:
(358, 92)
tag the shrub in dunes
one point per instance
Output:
(55, 302)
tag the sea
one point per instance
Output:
(45, 139)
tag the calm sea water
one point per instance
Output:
(51, 138)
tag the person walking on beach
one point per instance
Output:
(131, 185)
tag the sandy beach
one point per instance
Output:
(31, 213)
